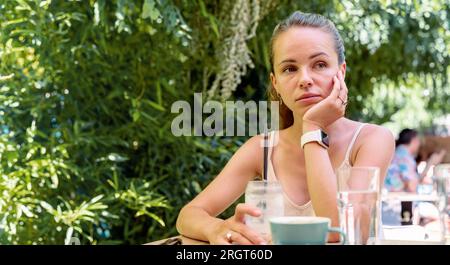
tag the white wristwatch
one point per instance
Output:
(318, 136)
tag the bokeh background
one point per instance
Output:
(86, 89)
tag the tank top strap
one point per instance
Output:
(272, 142)
(350, 146)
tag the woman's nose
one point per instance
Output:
(304, 80)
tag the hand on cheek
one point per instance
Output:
(330, 109)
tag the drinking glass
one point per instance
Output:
(268, 197)
(441, 181)
(359, 204)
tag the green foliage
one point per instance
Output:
(86, 89)
(85, 113)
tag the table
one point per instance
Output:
(409, 197)
(401, 196)
(191, 241)
(184, 240)
(406, 200)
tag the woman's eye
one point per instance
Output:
(289, 69)
(321, 65)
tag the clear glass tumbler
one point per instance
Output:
(441, 181)
(359, 204)
(268, 197)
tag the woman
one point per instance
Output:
(307, 56)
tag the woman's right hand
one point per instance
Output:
(328, 110)
(236, 228)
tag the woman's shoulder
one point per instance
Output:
(254, 146)
(253, 149)
(258, 141)
(376, 131)
(374, 138)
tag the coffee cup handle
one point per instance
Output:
(343, 238)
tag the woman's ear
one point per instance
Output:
(343, 68)
(273, 80)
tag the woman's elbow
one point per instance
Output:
(180, 219)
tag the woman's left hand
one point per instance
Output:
(330, 109)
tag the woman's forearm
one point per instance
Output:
(322, 184)
(321, 181)
(195, 222)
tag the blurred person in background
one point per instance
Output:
(403, 174)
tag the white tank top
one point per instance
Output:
(290, 208)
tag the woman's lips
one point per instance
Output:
(309, 100)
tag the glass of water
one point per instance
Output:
(359, 204)
(268, 197)
(441, 179)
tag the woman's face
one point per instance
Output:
(305, 62)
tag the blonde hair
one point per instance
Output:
(299, 19)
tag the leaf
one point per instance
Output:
(149, 10)
(136, 115)
(158, 93)
(98, 206)
(211, 18)
(117, 158)
(97, 198)
(88, 219)
(113, 185)
(196, 186)
(214, 26)
(140, 213)
(26, 211)
(154, 105)
(156, 218)
(68, 236)
(47, 206)
(55, 181)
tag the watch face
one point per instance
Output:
(325, 139)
